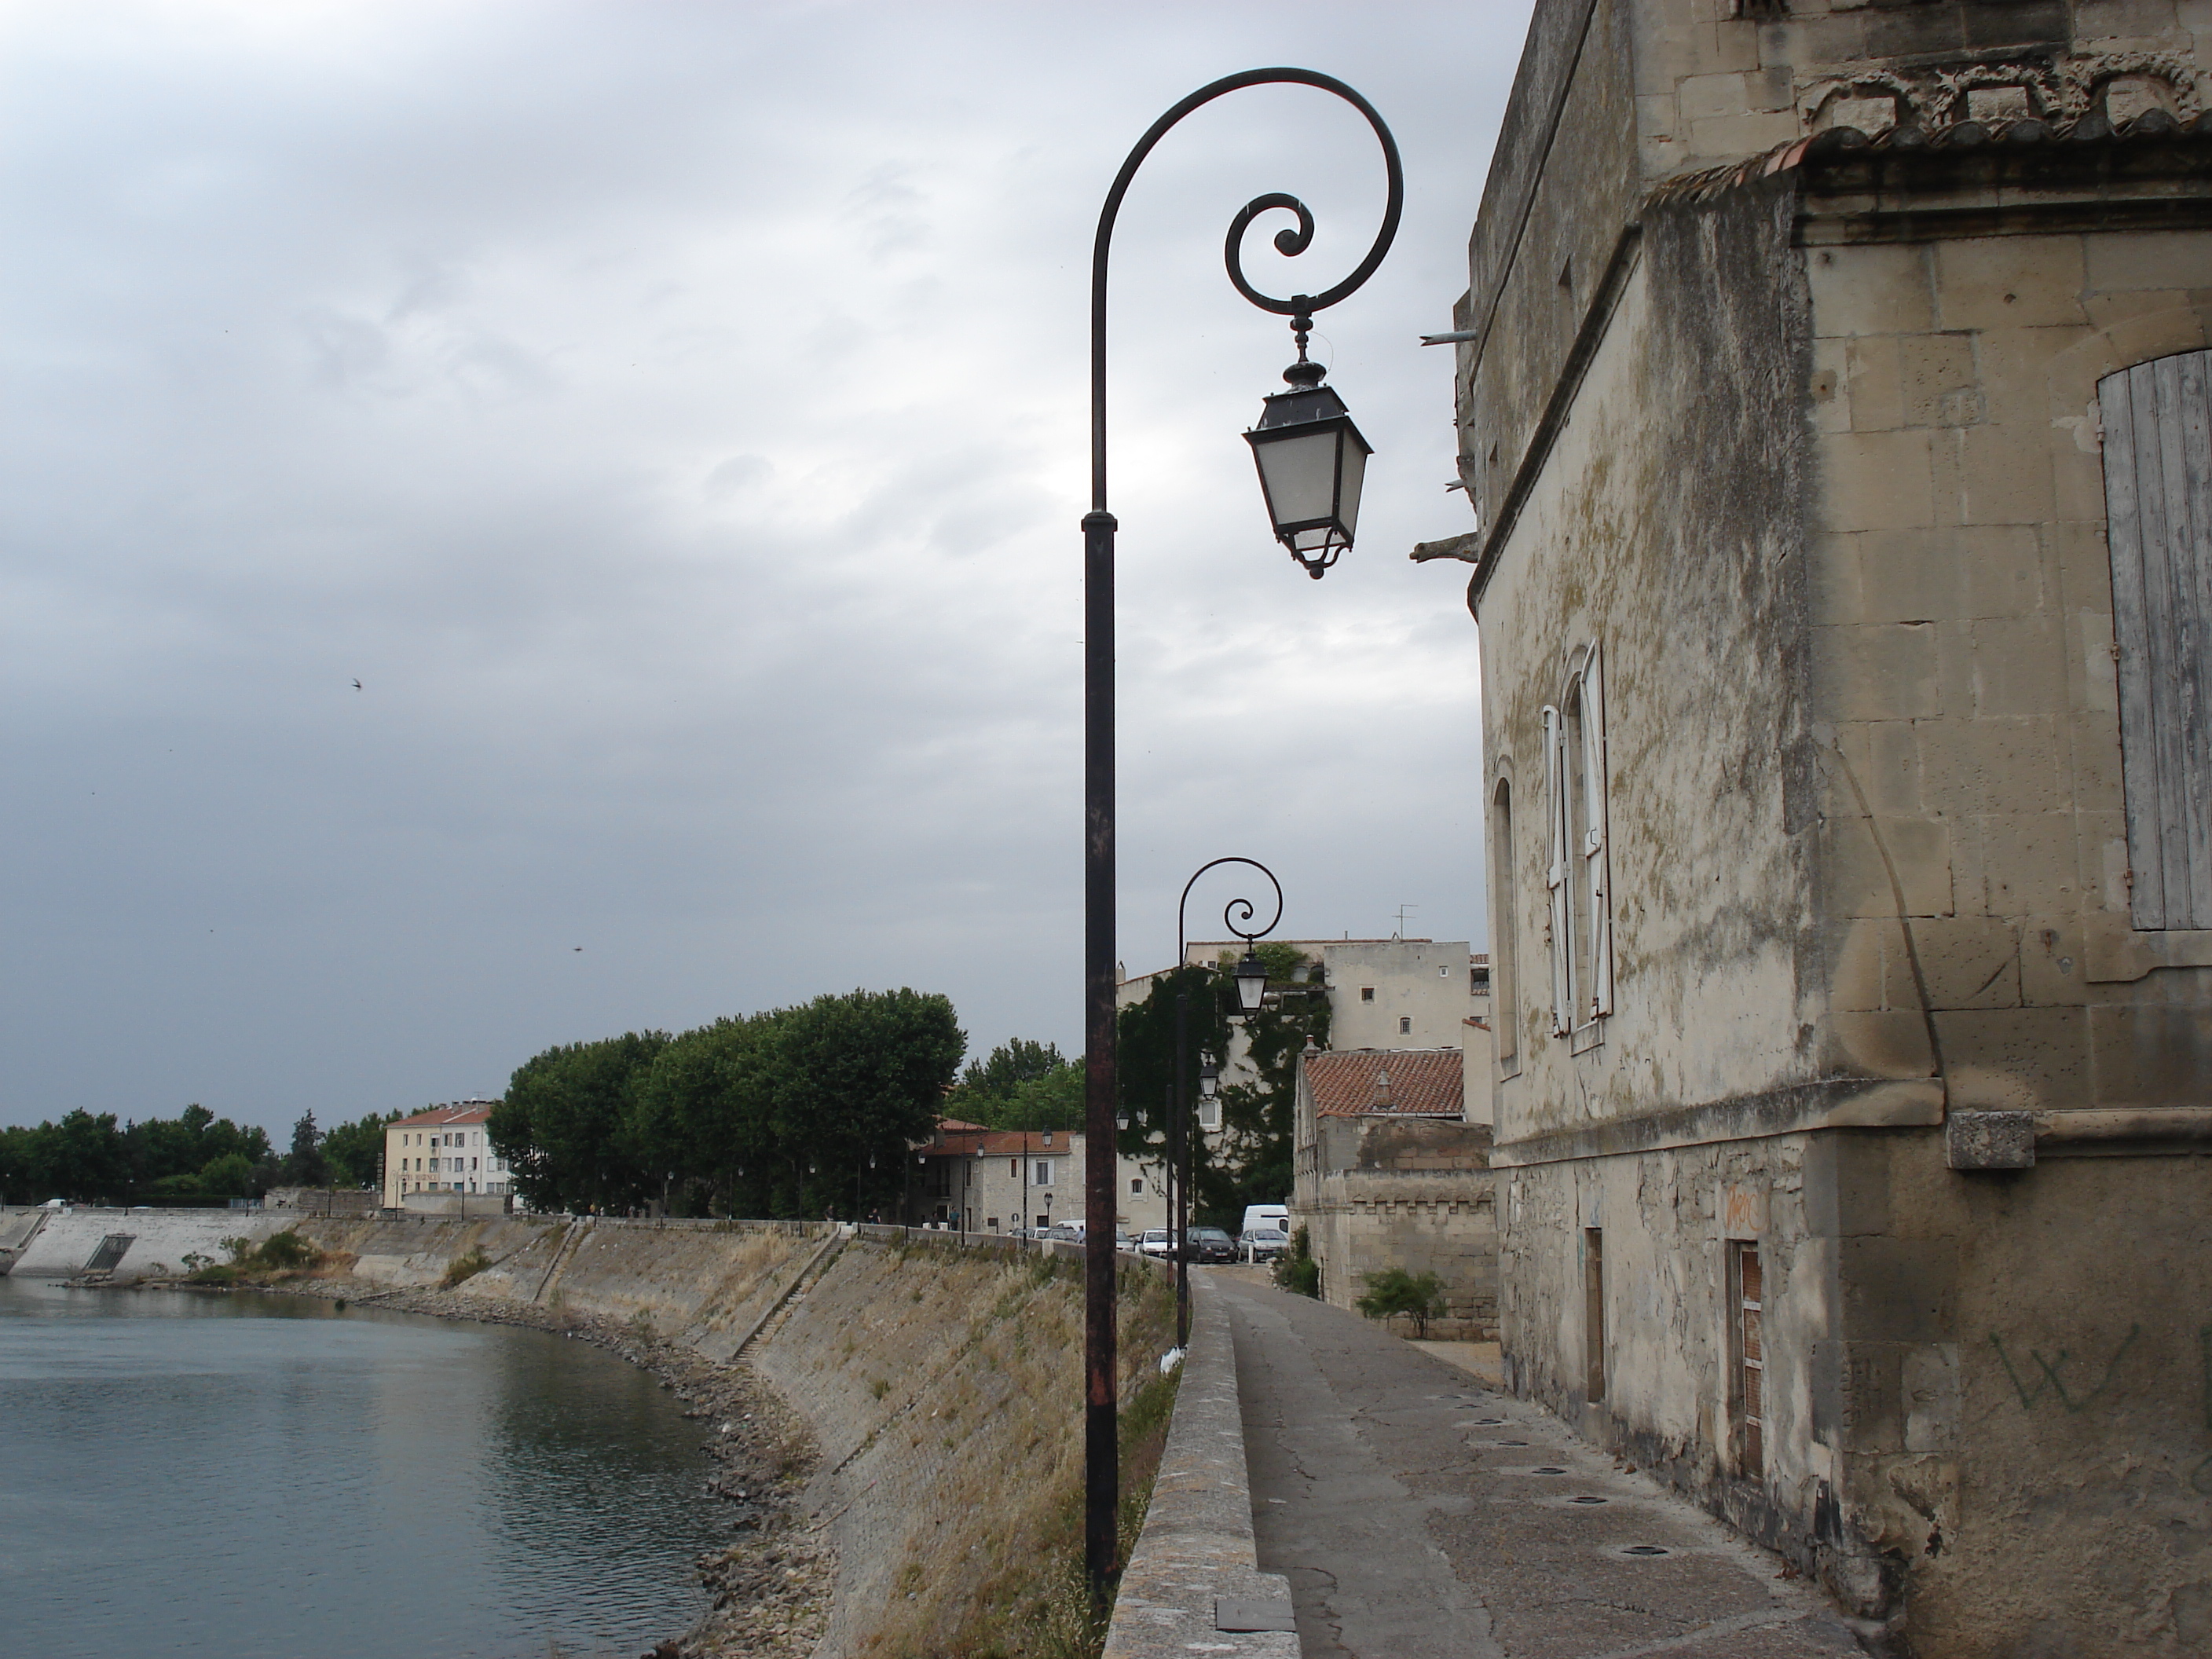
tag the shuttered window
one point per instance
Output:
(2158, 499)
(1578, 867)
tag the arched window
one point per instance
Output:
(2158, 501)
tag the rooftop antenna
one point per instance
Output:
(1402, 908)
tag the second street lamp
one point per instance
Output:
(1101, 1450)
(1183, 1134)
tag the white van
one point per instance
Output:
(1266, 1215)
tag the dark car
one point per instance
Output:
(1211, 1244)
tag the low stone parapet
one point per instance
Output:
(1194, 1583)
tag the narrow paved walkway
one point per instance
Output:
(1420, 1514)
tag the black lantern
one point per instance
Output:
(1251, 984)
(1312, 461)
(1209, 1081)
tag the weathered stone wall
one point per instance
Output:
(1978, 1431)
(1411, 1192)
(1823, 477)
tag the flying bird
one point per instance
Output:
(356, 685)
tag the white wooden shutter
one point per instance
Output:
(1556, 874)
(1597, 857)
(2158, 497)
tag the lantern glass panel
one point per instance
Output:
(1300, 476)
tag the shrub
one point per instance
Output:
(1394, 1291)
(1298, 1272)
(286, 1252)
(467, 1265)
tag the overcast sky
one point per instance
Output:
(673, 416)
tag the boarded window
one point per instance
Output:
(1747, 1352)
(1593, 1313)
(2158, 498)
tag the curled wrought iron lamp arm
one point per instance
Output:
(1288, 241)
(1233, 908)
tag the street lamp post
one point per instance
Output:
(1305, 447)
(1185, 1131)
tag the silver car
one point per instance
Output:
(1264, 1244)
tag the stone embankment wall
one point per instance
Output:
(60, 1243)
(942, 1377)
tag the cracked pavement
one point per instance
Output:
(1419, 1515)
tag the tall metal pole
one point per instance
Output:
(1101, 1472)
(1181, 1224)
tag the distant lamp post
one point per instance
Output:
(1310, 462)
(1251, 982)
(1180, 1139)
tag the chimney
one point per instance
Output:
(1381, 1100)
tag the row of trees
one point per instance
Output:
(801, 1112)
(193, 1158)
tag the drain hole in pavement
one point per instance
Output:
(1644, 1549)
(1586, 1500)
(1547, 1469)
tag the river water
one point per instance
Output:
(265, 1477)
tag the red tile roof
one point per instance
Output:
(1402, 1082)
(959, 1139)
(461, 1111)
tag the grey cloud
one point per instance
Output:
(673, 415)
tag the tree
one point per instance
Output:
(304, 1166)
(703, 1114)
(566, 1128)
(1020, 1085)
(1394, 1291)
(356, 1150)
(789, 1112)
(851, 1076)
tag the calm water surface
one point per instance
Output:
(263, 1477)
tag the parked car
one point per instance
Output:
(1266, 1215)
(1264, 1244)
(1211, 1244)
(1154, 1242)
(1061, 1231)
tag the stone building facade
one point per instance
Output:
(1002, 1180)
(1832, 386)
(443, 1149)
(1389, 1174)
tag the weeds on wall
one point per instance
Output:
(466, 1266)
(280, 1256)
(1000, 1574)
